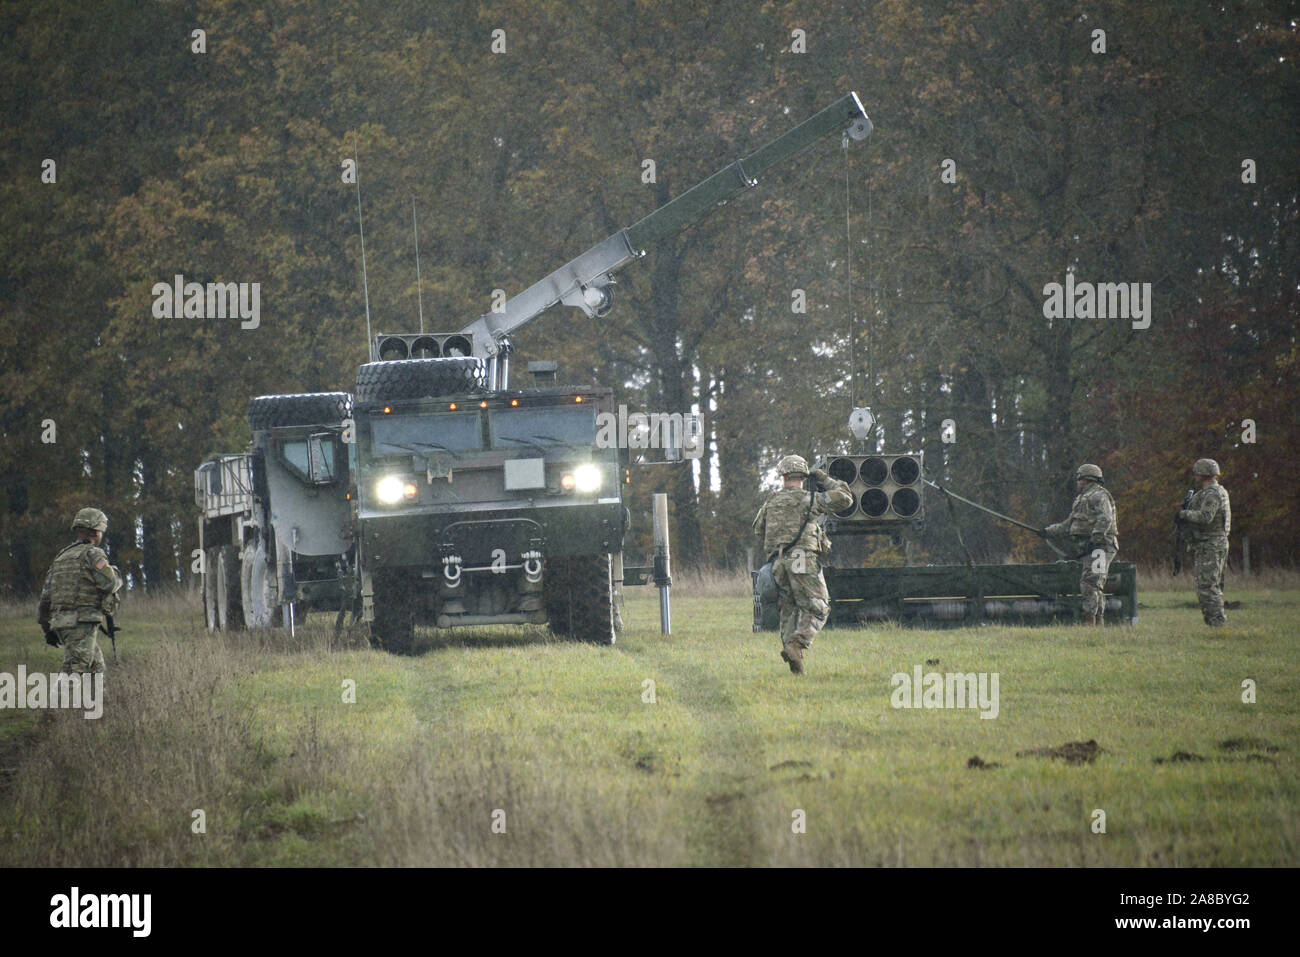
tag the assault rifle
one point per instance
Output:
(109, 627)
(1180, 544)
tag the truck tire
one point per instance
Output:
(210, 588)
(585, 608)
(257, 588)
(393, 628)
(302, 408)
(419, 378)
(227, 579)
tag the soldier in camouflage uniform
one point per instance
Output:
(80, 589)
(795, 542)
(1208, 520)
(1095, 533)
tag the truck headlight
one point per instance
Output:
(389, 490)
(587, 478)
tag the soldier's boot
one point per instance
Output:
(793, 653)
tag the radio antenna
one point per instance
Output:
(365, 279)
(419, 288)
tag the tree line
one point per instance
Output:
(1015, 145)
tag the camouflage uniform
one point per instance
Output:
(80, 588)
(804, 600)
(1208, 518)
(1093, 528)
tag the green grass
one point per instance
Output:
(252, 729)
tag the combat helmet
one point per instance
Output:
(792, 465)
(91, 518)
(1205, 467)
(1088, 471)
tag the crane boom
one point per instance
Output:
(585, 282)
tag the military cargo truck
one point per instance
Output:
(436, 492)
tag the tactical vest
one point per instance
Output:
(1083, 516)
(72, 587)
(1221, 526)
(785, 511)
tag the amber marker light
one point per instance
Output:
(577, 398)
(452, 407)
(482, 405)
(409, 490)
(567, 482)
(388, 409)
(514, 402)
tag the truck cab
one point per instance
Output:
(480, 507)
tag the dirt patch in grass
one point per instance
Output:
(1072, 752)
(1254, 757)
(1187, 757)
(1180, 757)
(722, 800)
(1247, 744)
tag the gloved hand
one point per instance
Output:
(1178, 517)
(51, 638)
(819, 475)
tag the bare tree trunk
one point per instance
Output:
(23, 576)
(152, 526)
(677, 388)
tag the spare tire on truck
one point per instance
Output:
(419, 378)
(300, 408)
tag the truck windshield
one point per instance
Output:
(551, 425)
(403, 434)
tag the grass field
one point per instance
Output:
(557, 744)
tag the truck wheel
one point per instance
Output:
(257, 588)
(227, 590)
(419, 378)
(587, 610)
(210, 588)
(302, 408)
(393, 629)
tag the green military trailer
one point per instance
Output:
(888, 497)
(948, 596)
